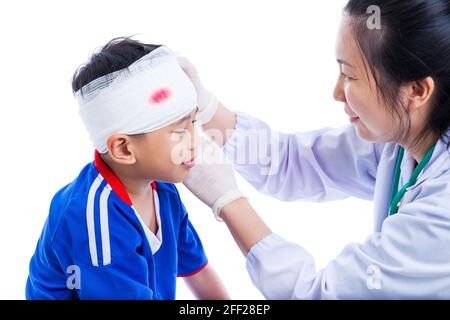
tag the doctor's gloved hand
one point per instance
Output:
(212, 180)
(207, 102)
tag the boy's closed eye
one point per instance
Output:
(183, 124)
(184, 129)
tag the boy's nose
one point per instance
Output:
(194, 140)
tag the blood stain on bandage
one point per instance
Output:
(159, 96)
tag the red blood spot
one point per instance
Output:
(159, 96)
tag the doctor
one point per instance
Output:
(394, 84)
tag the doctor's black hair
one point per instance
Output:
(413, 43)
(117, 54)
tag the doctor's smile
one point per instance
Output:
(352, 118)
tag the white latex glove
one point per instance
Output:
(207, 102)
(212, 179)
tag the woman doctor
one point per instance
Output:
(394, 83)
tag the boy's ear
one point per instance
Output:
(119, 149)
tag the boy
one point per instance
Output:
(116, 231)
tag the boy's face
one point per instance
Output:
(167, 154)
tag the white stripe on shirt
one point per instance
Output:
(104, 226)
(90, 219)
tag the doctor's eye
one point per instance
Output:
(346, 77)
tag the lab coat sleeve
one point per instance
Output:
(408, 259)
(322, 165)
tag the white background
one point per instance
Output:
(272, 59)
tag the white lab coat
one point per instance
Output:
(407, 256)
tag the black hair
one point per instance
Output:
(413, 43)
(117, 54)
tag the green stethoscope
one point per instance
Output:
(398, 195)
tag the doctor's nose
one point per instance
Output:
(338, 92)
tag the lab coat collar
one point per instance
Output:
(439, 162)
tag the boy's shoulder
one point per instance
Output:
(70, 205)
(74, 197)
(87, 216)
(71, 201)
(78, 188)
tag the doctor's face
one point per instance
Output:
(357, 89)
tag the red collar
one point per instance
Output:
(113, 180)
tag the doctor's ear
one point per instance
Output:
(120, 149)
(420, 92)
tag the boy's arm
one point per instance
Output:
(193, 264)
(206, 285)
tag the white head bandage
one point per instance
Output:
(151, 93)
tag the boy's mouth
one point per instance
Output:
(189, 164)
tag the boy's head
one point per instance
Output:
(139, 108)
